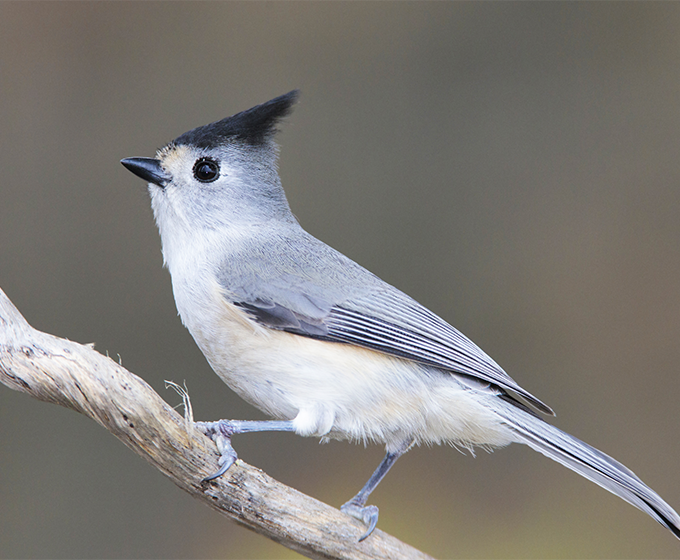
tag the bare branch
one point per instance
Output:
(59, 371)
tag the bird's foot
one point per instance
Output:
(366, 514)
(220, 432)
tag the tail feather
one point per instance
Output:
(588, 462)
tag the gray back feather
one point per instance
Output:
(296, 283)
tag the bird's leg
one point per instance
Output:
(222, 430)
(357, 507)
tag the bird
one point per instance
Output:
(317, 342)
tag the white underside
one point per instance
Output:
(339, 390)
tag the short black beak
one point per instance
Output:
(148, 169)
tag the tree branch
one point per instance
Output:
(59, 371)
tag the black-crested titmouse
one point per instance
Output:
(318, 342)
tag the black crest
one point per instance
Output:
(253, 126)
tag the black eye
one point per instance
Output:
(206, 170)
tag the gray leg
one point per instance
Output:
(222, 430)
(357, 507)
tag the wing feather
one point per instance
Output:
(295, 283)
(394, 324)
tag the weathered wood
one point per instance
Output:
(76, 376)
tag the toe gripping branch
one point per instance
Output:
(366, 514)
(222, 431)
(357, 507)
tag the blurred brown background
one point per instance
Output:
(513, 166)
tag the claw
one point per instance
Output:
(366, 514)
(357, 507)
(220, 432)
(227, 459)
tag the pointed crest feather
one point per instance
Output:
(253, 126)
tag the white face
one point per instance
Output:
(215, 193)
(195, 198)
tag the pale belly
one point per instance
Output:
(342, 391)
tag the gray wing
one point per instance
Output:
(332, 298)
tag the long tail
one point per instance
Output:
(588, 462)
